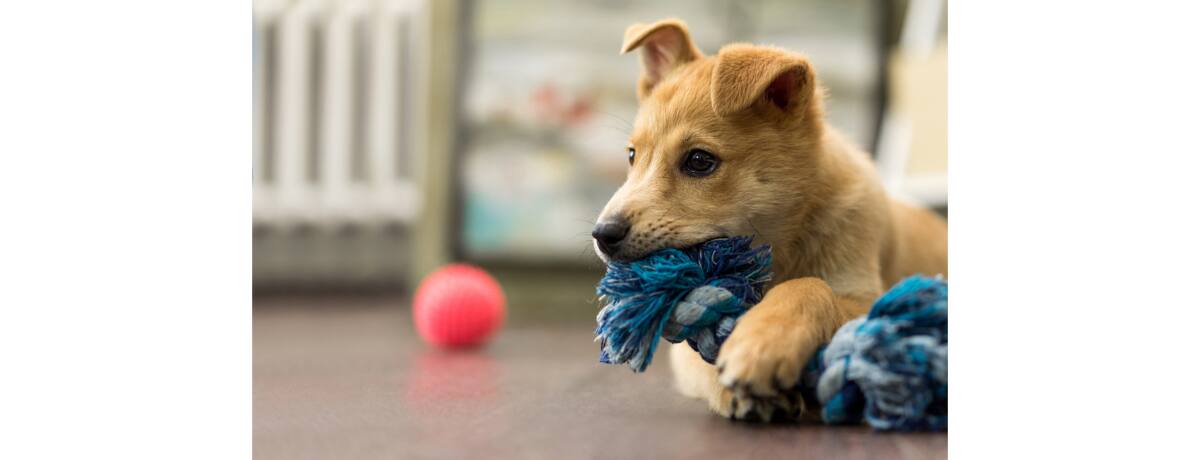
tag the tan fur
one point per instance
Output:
(785, 177)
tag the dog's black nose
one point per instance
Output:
(609, 233)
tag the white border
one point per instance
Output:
(1074, 180)
(125, 153)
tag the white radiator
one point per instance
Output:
(334, 182)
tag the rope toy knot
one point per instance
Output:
(888, 367)
(694, 294)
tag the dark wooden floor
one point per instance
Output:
(345, 379)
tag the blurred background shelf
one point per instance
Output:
(547, 104)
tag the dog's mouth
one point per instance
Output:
(629, 255)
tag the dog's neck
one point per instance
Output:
(821, 215)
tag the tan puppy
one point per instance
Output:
(737, 144)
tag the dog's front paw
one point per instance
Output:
(759, 372)
(786, 406)
(763, 360)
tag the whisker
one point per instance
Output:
(620, 129)
(757, 235)
(615, 116)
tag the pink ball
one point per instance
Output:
(458, 306)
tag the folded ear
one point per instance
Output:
(665, 45)
(746, 75)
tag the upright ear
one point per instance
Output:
(665, 45)
(746, 75)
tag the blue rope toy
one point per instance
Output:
(887, 368)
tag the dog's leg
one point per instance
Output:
(696, 378)
(768, 349)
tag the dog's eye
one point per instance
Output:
(631, 153)
(699, 163)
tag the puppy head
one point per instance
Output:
(722, 145)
